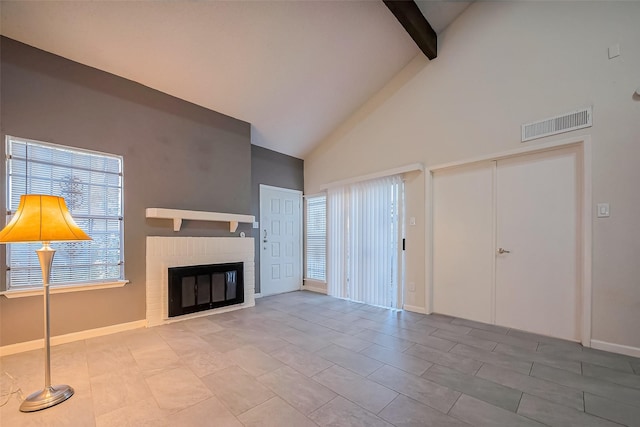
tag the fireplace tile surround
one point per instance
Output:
(166, 252)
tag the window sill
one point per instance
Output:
(316, 281)
(76, 287)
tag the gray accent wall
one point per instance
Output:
(176, 155)
(271, 168)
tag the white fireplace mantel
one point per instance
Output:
(177, 215)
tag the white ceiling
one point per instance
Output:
(294, 70)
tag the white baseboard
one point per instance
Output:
(616, 348)
(258, 295)
(74, 336)
(318, 289)
(415, 309)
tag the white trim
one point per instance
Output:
(494, 237)
(414, 309)
(428, 242)
(63, 289)
(616, 348)
(389, 172)
(271, 187)
(67, 147)
(258, 295)
(532, 148)
(587, 242)
(300, 231)
(9, 140)
(401, 252)
(318, 194)
(584, 142)
(74, 336)
(304, 235)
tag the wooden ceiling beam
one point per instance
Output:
(414, 22)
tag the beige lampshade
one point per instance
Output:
(41, 218)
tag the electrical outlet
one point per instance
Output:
(603, 210)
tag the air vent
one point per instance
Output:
(559, 124)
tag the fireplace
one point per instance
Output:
(165, 252)
(204, 287)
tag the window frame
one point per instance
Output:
(62, 287)
(306, 214)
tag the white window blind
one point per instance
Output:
(363, 241)
(316, 238)
(337, 241)
(91, 184)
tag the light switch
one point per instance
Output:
(412, 220)
(603, 210)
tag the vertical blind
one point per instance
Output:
(337, 243)
(363, 241)
(316, 238)
(91, 184)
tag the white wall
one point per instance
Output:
(500, 65)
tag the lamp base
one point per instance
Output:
(46, 398)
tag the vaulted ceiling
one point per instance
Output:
(295, 70)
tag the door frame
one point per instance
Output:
(300, 231)
(583, 143)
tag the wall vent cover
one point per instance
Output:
(558, 124)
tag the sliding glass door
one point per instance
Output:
(364, 241)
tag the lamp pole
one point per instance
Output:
(50, 395)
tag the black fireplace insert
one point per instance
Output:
(203, 287)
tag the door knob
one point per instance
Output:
(503, 251)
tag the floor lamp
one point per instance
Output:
(45, 219)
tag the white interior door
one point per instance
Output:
(537, 206)
(463, 242)
(528, 205)
(280, 240)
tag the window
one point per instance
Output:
(316, 238)
(91, 184)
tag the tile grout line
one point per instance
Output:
(322, 406)
(519, 402)
(454, 404)
(475, 374)
(529, 418)
(377, 414)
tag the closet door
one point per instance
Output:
(537, 207)
(463, 245)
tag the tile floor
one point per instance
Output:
(304, 359)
